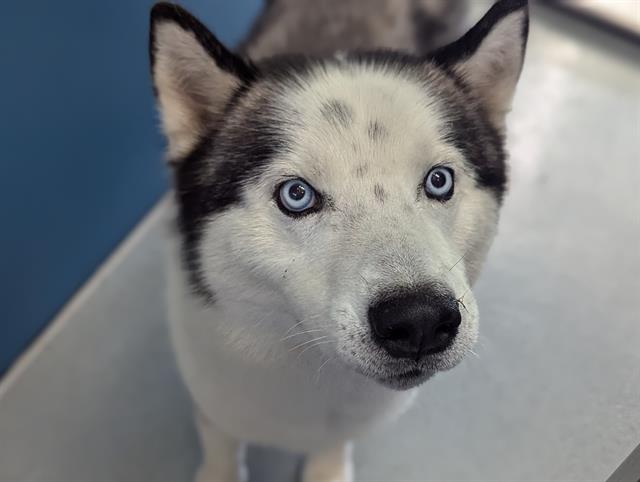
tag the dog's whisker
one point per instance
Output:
(307, 342)
(456, 263)
(460, 302)
(474, 353)
(461, 298)
(314, 326)
(293, 327)
(301, 333)
(313, 346)
(303, 320)
(465, 293)
(321, 367)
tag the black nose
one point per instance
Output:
(415, 323)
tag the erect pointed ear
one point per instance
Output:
(194, 76)
(489, 57)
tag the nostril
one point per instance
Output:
(445, 332)
(451, 318)
(392, 331)
(398, 332)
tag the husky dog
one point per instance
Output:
(335, 197)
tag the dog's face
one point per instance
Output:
(356, 195)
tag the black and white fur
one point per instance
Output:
(269, 311)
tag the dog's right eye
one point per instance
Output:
(296, 196)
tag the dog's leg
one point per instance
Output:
(334, 465)
(223, 457)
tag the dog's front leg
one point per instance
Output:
(333, 465)
(222, 456)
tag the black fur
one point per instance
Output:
(236, 155)
(482, 145)
(193, 207)
(467, 45)
(226, 60)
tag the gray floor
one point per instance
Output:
(554, 393)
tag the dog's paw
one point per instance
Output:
(331, 466)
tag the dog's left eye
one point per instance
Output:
(439, 183)
(296, 196)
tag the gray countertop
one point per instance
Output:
(554, 393)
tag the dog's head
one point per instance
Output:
(358, 194)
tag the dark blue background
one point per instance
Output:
(81, 154)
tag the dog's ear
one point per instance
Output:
(489, 57)
(194, 76)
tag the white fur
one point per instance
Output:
(255, 389)
(280, 358)
(284, 356)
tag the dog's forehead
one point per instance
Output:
(361, 122)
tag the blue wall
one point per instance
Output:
(81, 159)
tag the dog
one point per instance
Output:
(337, 187)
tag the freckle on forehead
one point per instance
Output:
(337, 112)
(361, 170)
(376, 131)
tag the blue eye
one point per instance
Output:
(439, 183)
(296, 196)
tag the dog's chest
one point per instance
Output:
(282, 405)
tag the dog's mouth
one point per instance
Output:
(406, 379)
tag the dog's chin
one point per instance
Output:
(374, 363)
(407, 375)
(405, 380)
